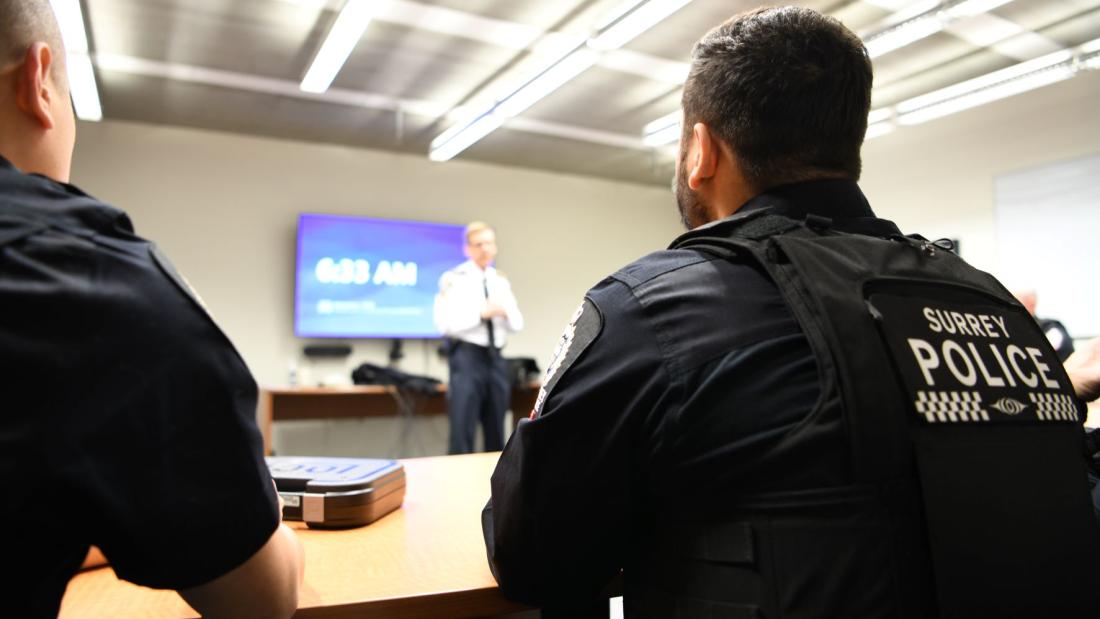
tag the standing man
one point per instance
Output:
(796, 411)
(475, 310)
(128, 419)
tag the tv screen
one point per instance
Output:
(370, 278)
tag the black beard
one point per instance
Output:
(692, 212)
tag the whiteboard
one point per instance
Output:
(1048, 239)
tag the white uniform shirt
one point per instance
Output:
(461, 299)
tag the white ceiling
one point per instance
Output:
(235, 65)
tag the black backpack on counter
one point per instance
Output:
(371, 374)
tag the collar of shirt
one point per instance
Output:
(40, 198)
(469, 268)
(838, 199)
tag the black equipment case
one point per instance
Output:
(333, 493)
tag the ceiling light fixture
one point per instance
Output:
(664, 130)
(878, 129)
(345, 33)
(630, 24)
(969, 8)
(879, 115)
(921, 21)
(903, 34)
(82, 86)
(1089, 55)
(1013, 80)
(618, 28)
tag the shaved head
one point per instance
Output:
(24, 22)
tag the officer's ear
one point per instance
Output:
(35, 92)
(703, 154)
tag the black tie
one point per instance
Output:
(488, 321)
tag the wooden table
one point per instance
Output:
(425, 560)
(361, 401)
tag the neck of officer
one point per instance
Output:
(28, 145)
(724, 193)
(31, 153)
(729, 197)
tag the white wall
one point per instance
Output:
(938, 178)
(224, 208)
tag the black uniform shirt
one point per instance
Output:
(126, 416)
(683, 384)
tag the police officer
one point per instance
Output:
(796, 411)
(127, 421)
(475, 310)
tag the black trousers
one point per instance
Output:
(478, 391)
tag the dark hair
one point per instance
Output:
(788, 89)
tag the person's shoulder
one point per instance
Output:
(500, 277)
(89, 253)
(38, 198)
(667, 281)
(658, 264)
(453, 273)
(632, 280)
(74, 234)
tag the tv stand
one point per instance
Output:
(362, 401)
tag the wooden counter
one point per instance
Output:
(425, 560)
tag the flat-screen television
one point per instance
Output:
(360, 277)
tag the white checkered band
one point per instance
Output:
(1054, 407)
(951, 406)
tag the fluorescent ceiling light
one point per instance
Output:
(1013, 80)
(668, 135)
(878, 129)
(621, 26)
(1022, 77)
(71, 21)
(902, 35)
(465, 134)
(342, 38)
(891, 5)
(616, 13)
(553, 78)
(922, 20)
(1092, 61)
(449, 143)
(82, 86)
(664, 130)
(969, 8)
(981, 97)
(664, 122)
(879, 115)
(985, 81)
(641, 18)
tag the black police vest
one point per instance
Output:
(969, 493)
